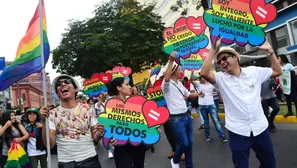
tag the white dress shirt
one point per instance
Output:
(207, 89)
(175, 100)
(242, 101)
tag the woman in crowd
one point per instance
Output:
(11, 130)
(35, 148)
(126, 156)
(292, 96)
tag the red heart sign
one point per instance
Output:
(153, 114)
(262, 12)
(125, 71)
(196, 25)
(204, 53)
(105, 77)
(116, 69)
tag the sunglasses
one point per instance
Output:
(60, 82)
(224, 59)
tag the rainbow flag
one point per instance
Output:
(155, 70)
(28, 55)
(17, 157)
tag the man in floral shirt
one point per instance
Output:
(73, 126)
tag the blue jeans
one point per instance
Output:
(183, 129)
(217, 103)
(200, 116)
(212, 110)
(262, 145)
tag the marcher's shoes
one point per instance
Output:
(201, 127)
(224, 140)
(207, 139)
(170, 156)
(174, 165)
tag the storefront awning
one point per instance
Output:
(292, 49)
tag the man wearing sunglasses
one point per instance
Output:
(73, 126)
(240, 89)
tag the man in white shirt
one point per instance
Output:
(175, 95)
(73, 126)
(207, 106)
(240, 90)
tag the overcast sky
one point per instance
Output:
(15, 16)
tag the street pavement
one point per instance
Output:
(215, 154)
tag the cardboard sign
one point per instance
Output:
(94, 86)
(195, 61)
(134, 121)
(186, 37)
(120, 71)
(155, 93)
(240, 21)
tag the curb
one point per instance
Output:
(278, 118)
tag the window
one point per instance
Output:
(281, 37)
(24, 96)
(293, 26)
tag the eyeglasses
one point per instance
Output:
(224, 59)
(60, 82)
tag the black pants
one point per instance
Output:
(170, 135)
(92, 162)
(273, 103)
(129, 156)
(3, 160)
(291, 98)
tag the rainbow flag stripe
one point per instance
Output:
(28, 55)
(17, 157)
(155, 70)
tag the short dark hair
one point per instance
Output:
(283, 58)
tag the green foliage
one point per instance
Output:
(120, 32)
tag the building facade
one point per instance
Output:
(29, 93)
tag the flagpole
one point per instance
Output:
(44, 85)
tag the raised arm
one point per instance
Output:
(205, 70)
(168, 71)
(275, 66)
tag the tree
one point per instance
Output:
(122, 32)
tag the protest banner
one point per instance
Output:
(134, 121)
(155, 93)
(186, 37)
(240, 21)
(94, 86)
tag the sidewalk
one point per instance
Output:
(278, 118)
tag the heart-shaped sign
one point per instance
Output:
(153, 114)
(105, 77)
(262, 12)
(204, 53)
(196, 25)
(94, 78)
(116, 69)
(125, 71)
